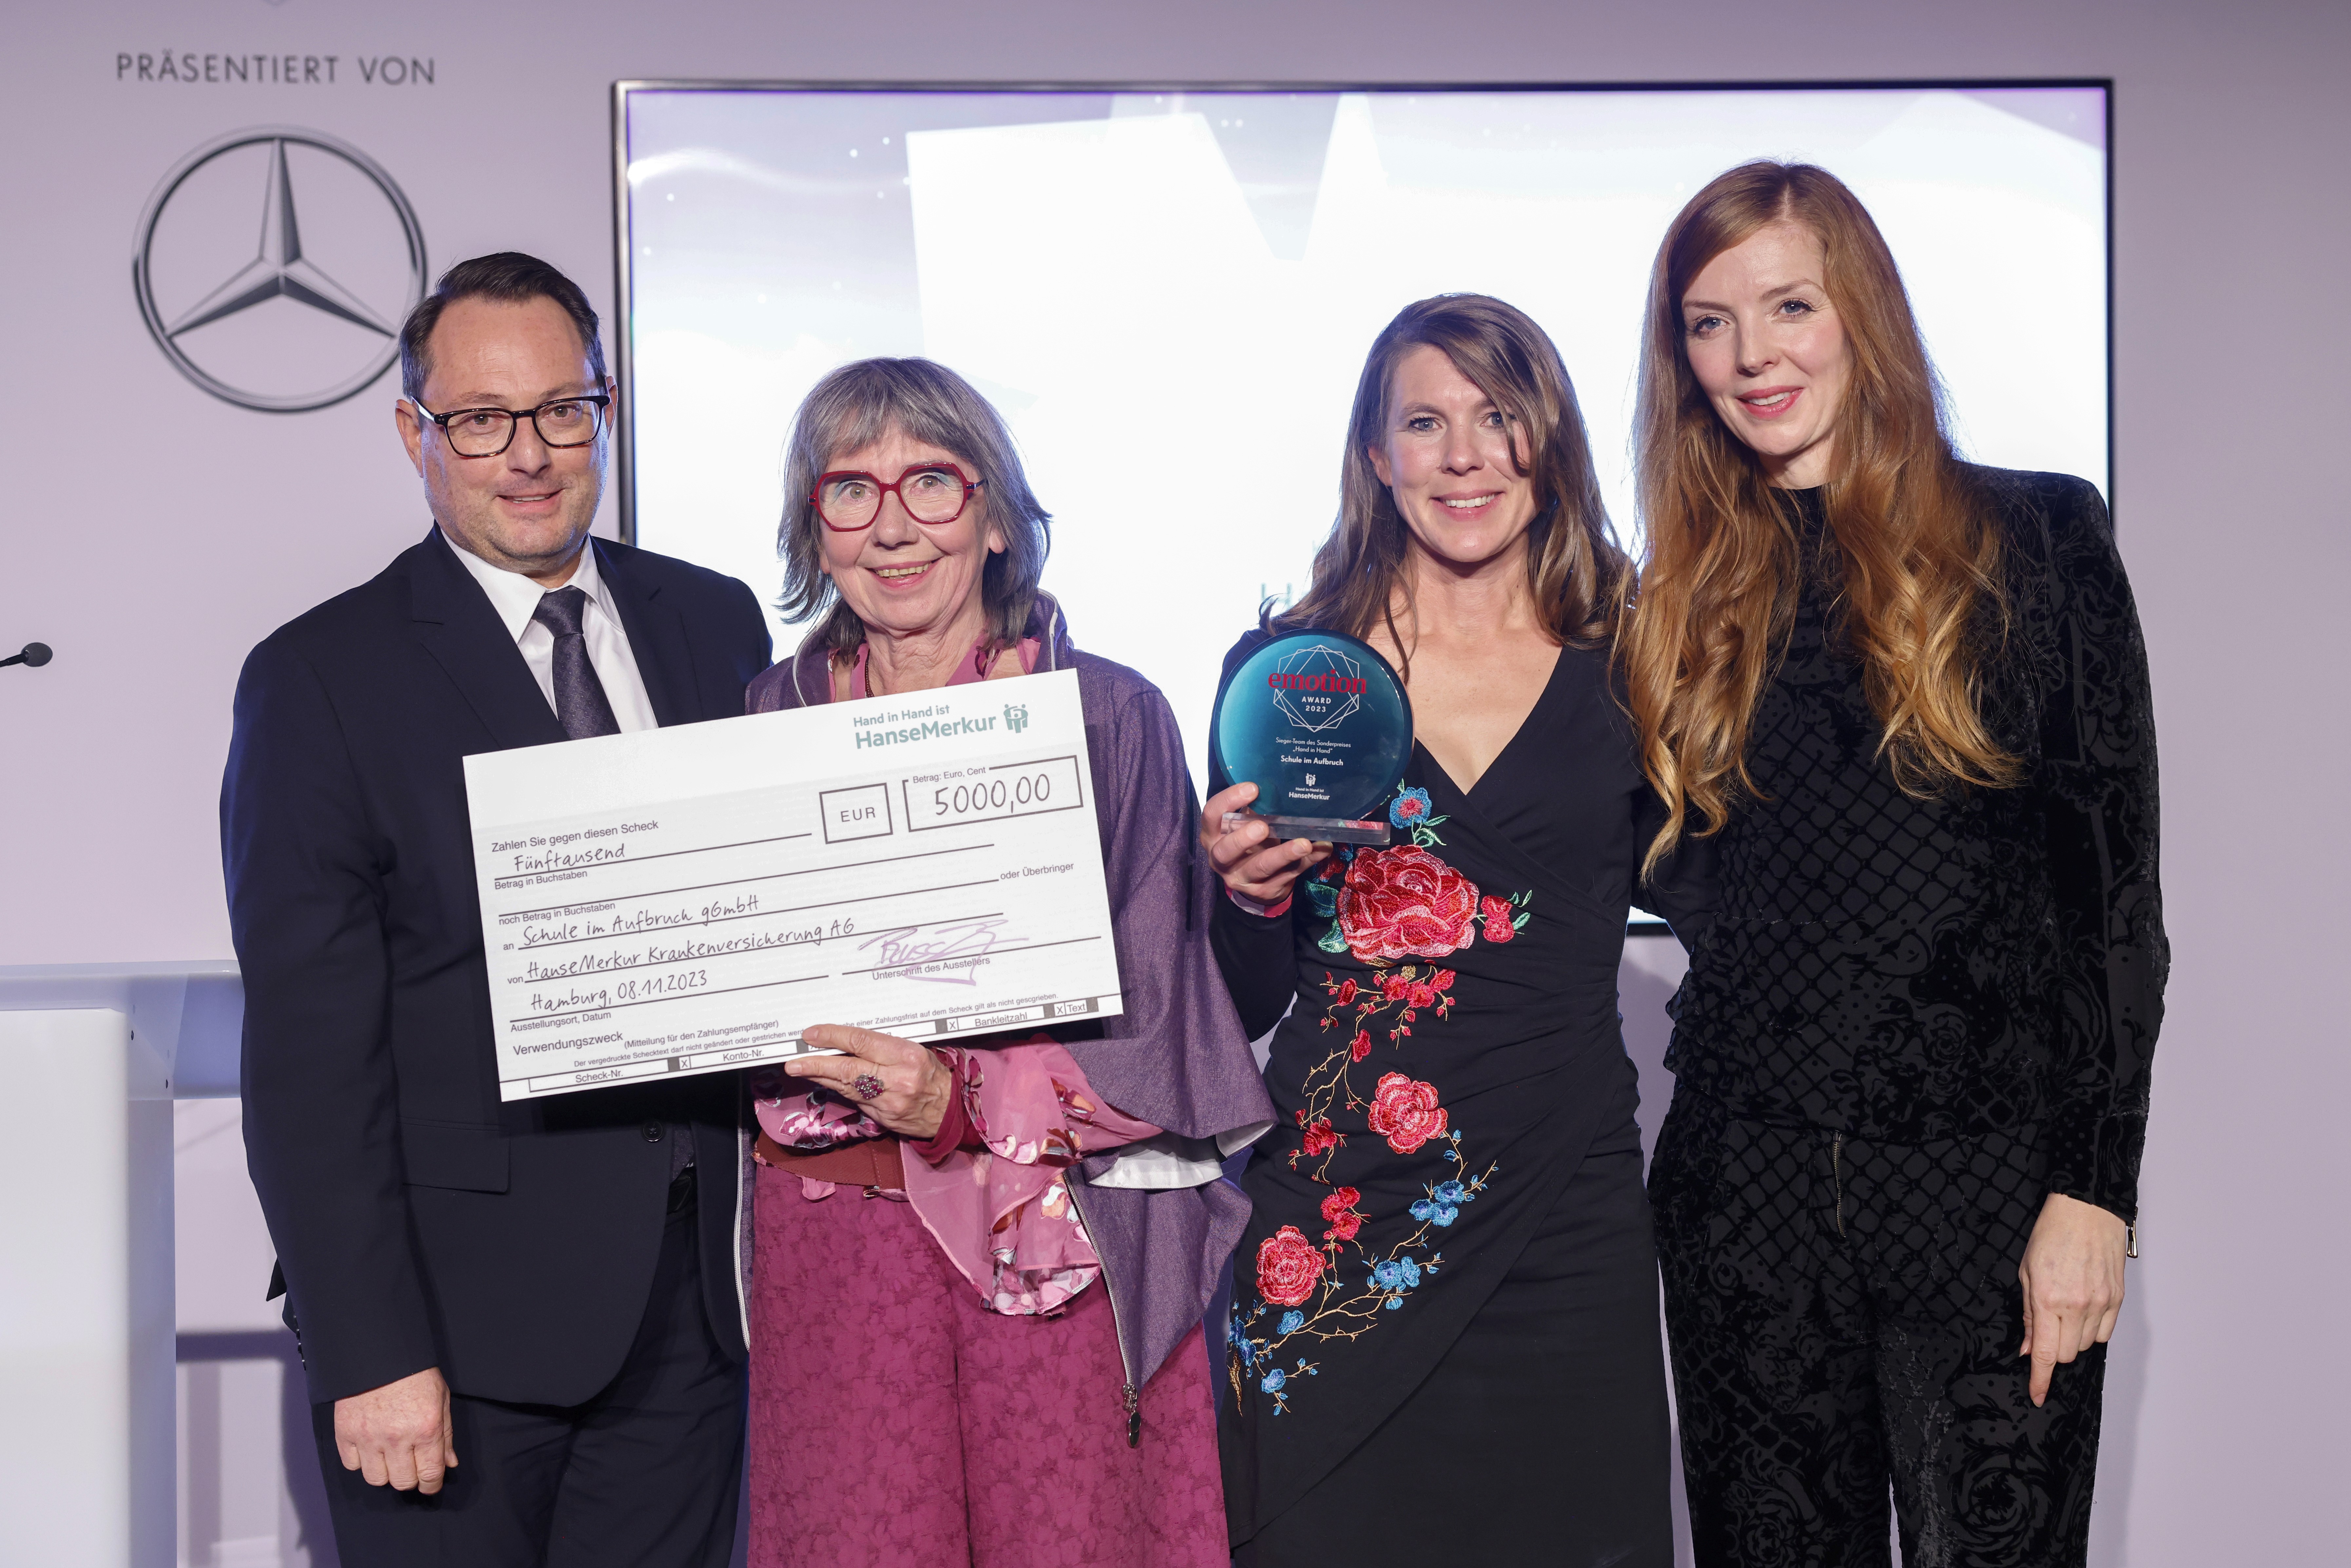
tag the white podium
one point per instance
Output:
(92, 1056)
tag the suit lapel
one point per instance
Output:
(656, 637)
(454, 620)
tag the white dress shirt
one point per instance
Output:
(516, 598)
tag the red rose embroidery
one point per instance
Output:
(1441, 982)
(1420, 996)
(1497, 914)
(1361, 1047)
(1346, 992)
(1289, 1267)
(1404, 902)
(1405, 1112)
(1319, 1138)
(1339, 1208)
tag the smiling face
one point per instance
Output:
(1766, 345)
(527, 508)
(903, 578)
(1447, 457)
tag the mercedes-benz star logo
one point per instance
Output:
(268, 326)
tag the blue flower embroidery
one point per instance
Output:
(1408, 813)
(1274, 1380)
(1292, 1323)
(1443, 1204)
(1396, 1274)
(1237, 1335)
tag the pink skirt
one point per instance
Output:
(897, 1422)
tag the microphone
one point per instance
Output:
(35, 655)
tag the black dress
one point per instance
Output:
(1910, 1022)
(1443, 1338)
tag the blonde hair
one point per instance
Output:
(1576, 572)
(1916, 553)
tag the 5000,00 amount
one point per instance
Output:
(1019, 789)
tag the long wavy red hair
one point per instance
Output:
(1917, 557)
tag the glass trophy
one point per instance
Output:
(1321, 725)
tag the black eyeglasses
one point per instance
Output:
(486, 431)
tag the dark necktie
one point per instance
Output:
(580, 701)
(584, 710)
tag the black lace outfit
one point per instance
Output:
(1910, 1022)
(1444, 1342)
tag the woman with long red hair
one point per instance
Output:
(1907, 699)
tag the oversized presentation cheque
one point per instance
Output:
(689, 900)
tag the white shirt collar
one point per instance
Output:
(516, 598)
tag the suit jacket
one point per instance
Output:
(418, 1221)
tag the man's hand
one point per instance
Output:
(910, 1084)
(2073, 1278)
(399, 1434)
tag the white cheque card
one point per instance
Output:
(689, 900)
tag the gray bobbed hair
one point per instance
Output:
(860, 403)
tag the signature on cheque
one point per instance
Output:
(956, 939)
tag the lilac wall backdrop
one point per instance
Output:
(152, 534)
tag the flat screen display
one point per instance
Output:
(1168, 295)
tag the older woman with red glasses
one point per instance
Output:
(978, 1272)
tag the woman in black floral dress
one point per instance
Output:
(1443, 1339)
(1906, 698)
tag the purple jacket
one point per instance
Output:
(1177, 1057)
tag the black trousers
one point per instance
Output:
(644, 1475)
(1845, 1314)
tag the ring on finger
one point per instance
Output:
(865, 1086)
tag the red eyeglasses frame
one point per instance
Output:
(970, 487)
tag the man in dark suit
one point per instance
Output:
(547, 1290)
